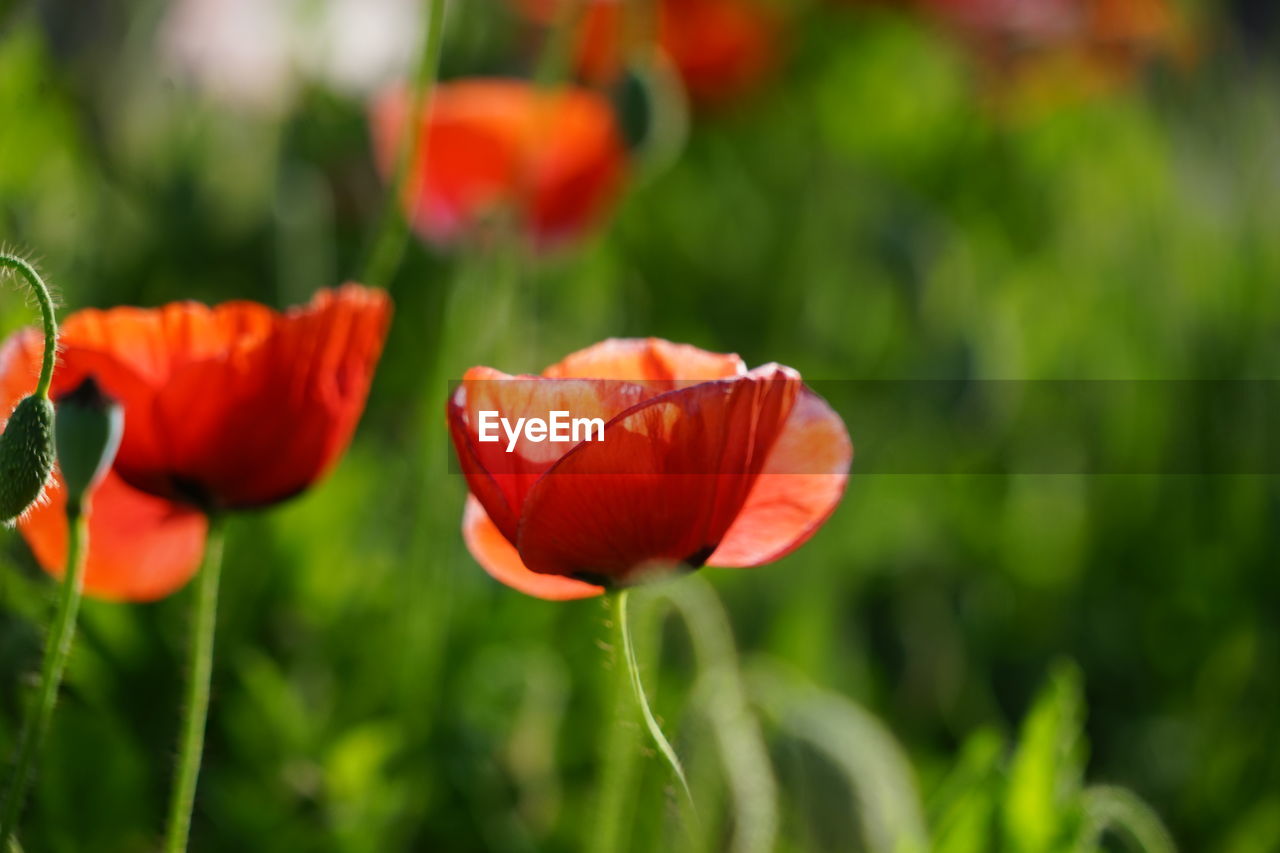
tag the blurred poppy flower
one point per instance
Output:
(1045, 50)
(700, 462)
(555, 159)
(720, 48)
(1029, 21)
(226, 408)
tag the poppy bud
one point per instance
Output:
(90, 425)
(26, 456)
(652, 111)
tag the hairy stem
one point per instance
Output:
(637, 687)
(743, 752)
(49, 317)
(57, 650)
(191, 745)
(618, 760)
(553, 63)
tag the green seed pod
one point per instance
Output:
(652, 112)
(90, 425)
(26, 456)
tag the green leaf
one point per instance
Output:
(1042, 809)
(963, 810)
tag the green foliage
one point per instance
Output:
(1035, 800)
(1041, 806)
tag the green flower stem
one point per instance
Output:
(633, 670)
(28, 272)
(618, 760)
(392, 233)
(191, 746)
(57, 649)
(1109, 808)
(743, 752)
(553, 64)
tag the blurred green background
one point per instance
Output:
(972, 660)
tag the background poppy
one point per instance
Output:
(721, 48)
(493, 148)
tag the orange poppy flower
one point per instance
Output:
(488, 146)
(1045, 51)
(1035, 22)
(226, 408)
(1028, 21)
(698, 461)
(720, 48)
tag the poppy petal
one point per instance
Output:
(141, 548)
(665, 484)
(19, 369)
(649, 359)
(554, 158)
(502, 479)
(483, 486)
(134, 352)
(721, 47)
(467, 163)
(499, 558)
(798, 489)
(260, 415)
(576, 163)
(155, 343)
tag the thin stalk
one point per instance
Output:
(742, 749)
(47, 314)
(1115, 809)
(191, 745)
(553, 63)
(392, 233)
(618, 755)
(57, 649)
(637, 687)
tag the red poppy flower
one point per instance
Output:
(1046, 51)
(1042, 22)
(487, 146)
(1031, 23)
(721, 48)
(700, 462)
(226, 408)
